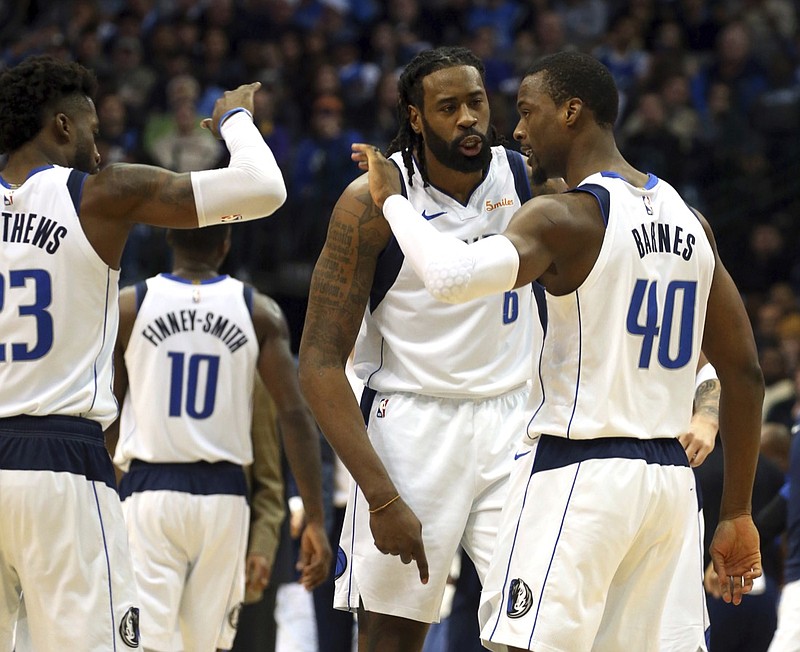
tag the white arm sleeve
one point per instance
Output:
(250, 187)
(452, 270)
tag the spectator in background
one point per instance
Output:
(180, 89)
(585, 21)
(134, 79)
(117, 141)
(776, 440)
(322, 167)
(734, 64)
(778, 386)
(787, 411)
(215, 65)
(499, 69)
(186, 146)
(382, 126)
(767, 261)
(647, 142)
(501, 16)
(357, 78)
(682, 119)
(551, 36)
(622, 52)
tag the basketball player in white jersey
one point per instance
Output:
(602, 495)
(188, 344)
(444, 385)
(62, 231)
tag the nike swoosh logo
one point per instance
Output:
(518, 455)
(430, 217)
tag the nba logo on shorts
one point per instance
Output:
(382, 408)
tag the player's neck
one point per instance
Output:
(22, 162)
(195, 271)
(459, 185)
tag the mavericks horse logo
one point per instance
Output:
(520, 599)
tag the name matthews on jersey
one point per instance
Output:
(171, 323)
(30, 228)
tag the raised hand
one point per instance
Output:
(238, 97)
(384, 177)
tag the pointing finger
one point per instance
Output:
(422, 564)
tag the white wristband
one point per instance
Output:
(452, 270)
(250, 187)
(706, 372)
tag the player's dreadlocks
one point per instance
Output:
(33, 87)
(410, 93)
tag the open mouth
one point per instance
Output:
(471, 145)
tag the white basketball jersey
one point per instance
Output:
(58, 304)
(620, 353)
(410, 342)
(190, 359)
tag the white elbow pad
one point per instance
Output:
(250, 187)
(485, 267)
(452, 270)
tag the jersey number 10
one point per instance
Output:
(185, 384)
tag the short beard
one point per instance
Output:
(449, 155)
(538, 176)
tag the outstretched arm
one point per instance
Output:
(454, 271)
(299, 432)
(251, 186)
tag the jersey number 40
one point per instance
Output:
(659, 322)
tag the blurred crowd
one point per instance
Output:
(710, 96)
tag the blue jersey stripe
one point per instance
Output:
(56, 443)
(388, 265)
(557, 452)
(75, 187)
(601, 194)
(198, 478)
(522, 183)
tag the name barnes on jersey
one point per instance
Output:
(660, 238)
(170, 323)
(33, 229)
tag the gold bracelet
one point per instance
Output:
(384, 506)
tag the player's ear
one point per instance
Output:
(62, 126)
(574, 108)
(415, 119)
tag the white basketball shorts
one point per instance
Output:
(188, 554)
(450, 460)
(589, 542)
(63, 542)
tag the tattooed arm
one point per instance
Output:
(699, 441)
(339, 292)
